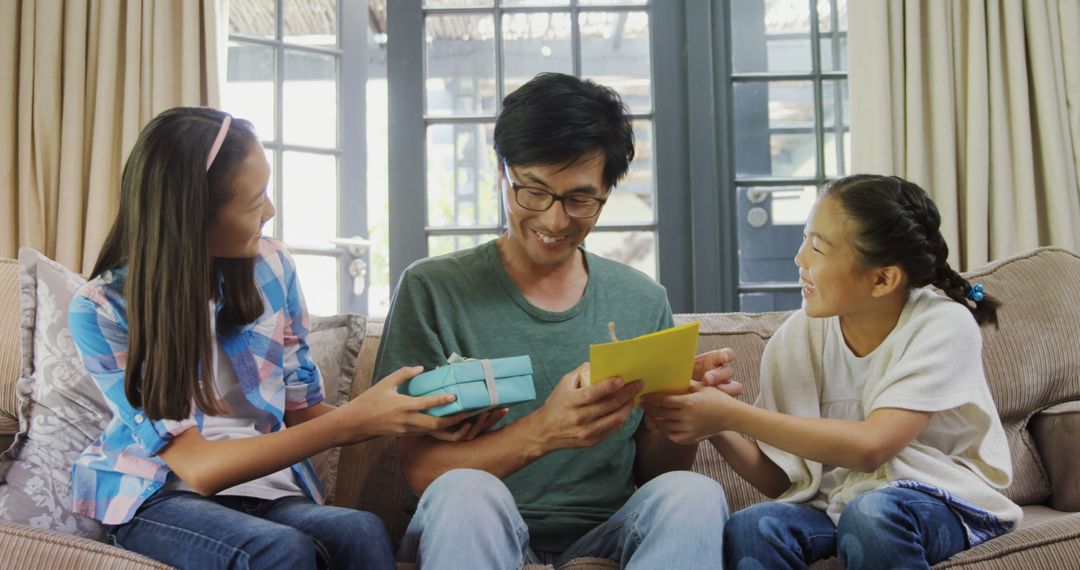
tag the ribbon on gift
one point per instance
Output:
(489, 379)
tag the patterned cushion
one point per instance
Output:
(59, 415)
(61, 411)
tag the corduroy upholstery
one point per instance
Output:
(1032, 363)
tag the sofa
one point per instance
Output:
(1032, 362)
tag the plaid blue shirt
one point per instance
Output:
(121, 469)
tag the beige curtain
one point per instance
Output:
(978, 101)
(78, 81)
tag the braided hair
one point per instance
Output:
(898, 224)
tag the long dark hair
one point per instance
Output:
(168, 202)
(559, 119)
(898, 224)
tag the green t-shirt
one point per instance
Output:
(465, 303)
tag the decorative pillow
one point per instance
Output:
(335, 345)
(61, 410)
(1056, 431)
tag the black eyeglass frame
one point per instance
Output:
(553, 197)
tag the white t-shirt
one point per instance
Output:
(238, 423)
(932, 362)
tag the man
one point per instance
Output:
(557, 481)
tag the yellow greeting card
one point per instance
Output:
(664, 359)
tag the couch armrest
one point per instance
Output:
(22, 546)
(1056, 431)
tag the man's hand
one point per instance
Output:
(578, 414)
(714, 369)
(471, 427)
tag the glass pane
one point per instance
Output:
(462, 187)
(513, 3)
(834, 60)
(636, 249)
(774, 129)
(835, 97)
(456, 3)
(832, 15)
(460, 56)
(770, 35)
(615, 53)
(535, 42)
(253, 18)
(610, 2)
(770, 223)
(632, 200)
(788, 206)
(378, 194)
(310, 213)
(311, 22)
(270, 228)
(837, 154)
(319, 281)
(441, 245)
(249, 86)
(310, 111)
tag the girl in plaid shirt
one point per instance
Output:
(192, 319)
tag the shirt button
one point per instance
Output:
(138, 418)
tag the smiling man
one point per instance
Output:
(576, 472)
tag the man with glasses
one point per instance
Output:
(556, 480)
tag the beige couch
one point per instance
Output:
(1032, 361)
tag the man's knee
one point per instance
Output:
(683, 491)
(459, 491)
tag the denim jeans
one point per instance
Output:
(186, 530)
(884, 528)
(468, 519)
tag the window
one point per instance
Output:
(740, 110)
(289, 64)
(474, 53)
(789, 105)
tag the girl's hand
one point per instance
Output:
(471, 427)
(713, 368)
(381, 410)
(693, 417)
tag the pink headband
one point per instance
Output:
(218, 141)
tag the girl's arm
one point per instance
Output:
(857, 445)
(210, 466)
(750, 463)
(297, 417)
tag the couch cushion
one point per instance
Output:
(61, 410)
(1032, 360)
(1056, 431)
(9, 344)
(369, 477)
(335, 343)
(746, 334)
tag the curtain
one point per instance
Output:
(78, 81)
(977, 101)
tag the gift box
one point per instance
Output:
(478, 384)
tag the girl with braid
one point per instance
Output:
(874, 429)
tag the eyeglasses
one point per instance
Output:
(539, 200)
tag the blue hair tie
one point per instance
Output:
(976, 293)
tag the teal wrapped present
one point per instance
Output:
(478, 384)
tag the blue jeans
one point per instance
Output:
(884, 528)
(186, 530)
(468, 519)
